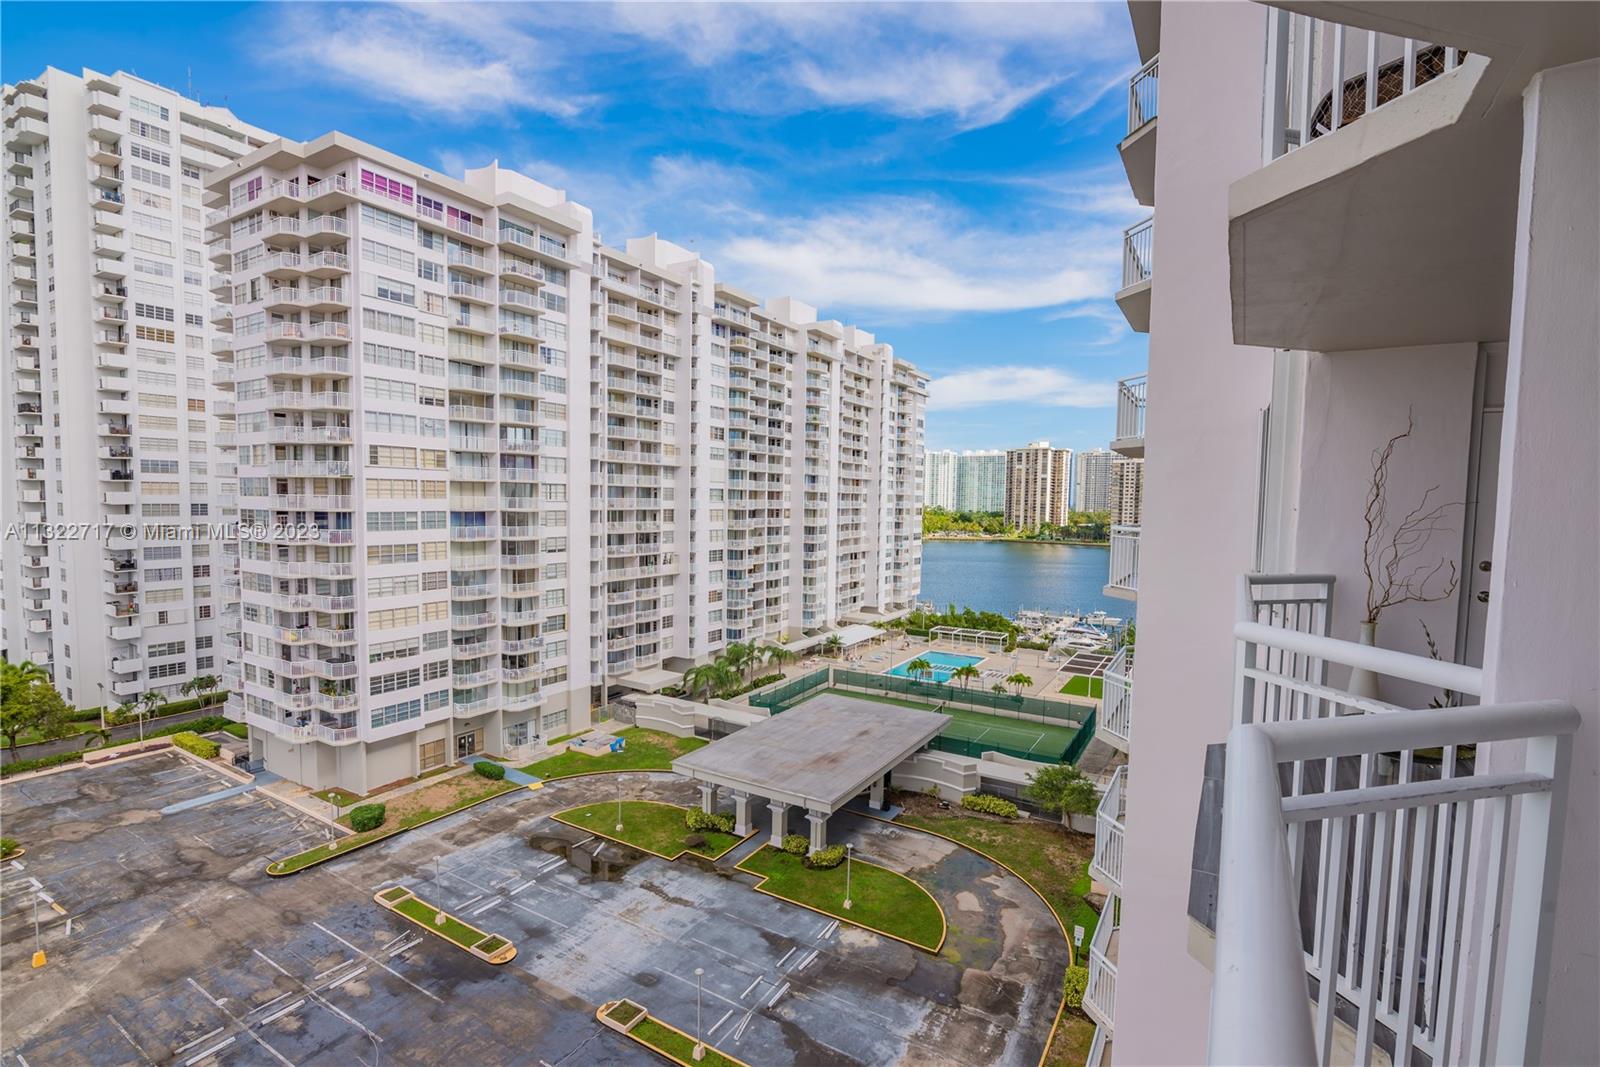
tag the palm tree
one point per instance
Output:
(206, 686)
(709, 678)
(741, 656)
(777, 655)
(832, 646)
(95, 736)
(966, 672)
(918, 667)
(1021, 681)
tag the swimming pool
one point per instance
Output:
(943, 663)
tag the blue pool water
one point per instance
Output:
(943, 664)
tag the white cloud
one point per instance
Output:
(1045, 386)
(917, 255)
(456, 59)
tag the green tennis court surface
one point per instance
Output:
(972, 732)
(1008, 735)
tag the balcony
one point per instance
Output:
(1138, 267)
(1343, 910)
(1129, 440)
(1123, 578)
(1100, 997)
(1138, 148)
(1109, 831)
(1339, 241)
(1114, 723)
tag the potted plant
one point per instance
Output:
(1393, 555)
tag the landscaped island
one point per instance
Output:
(650, 826)
(880, 899)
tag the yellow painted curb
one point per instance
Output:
(649, 851)
(944, 925)
(505, 954)
(599, 1017)
(1072, 956)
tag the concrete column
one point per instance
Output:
(819, 829)
(875, 797)
(1544, 617)
(780, 821)
(708, 798)
(741, 813)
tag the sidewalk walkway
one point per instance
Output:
(512, 774)
(261, 779)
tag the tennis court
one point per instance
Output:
(973, 732)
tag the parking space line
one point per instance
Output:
(257, 1038)
(379, 962)
(129, 1038)
(319, 998)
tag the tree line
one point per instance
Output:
(1080, 525)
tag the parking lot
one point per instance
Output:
(181, 950)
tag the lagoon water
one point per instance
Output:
(1005, 576)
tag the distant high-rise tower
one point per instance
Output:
(942, 479)
(1091, 482)
(1127, 491)
(981, 481)
(1037, 485)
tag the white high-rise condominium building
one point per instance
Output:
(942, 479)
(1357, 821)
(538, 469)
(1038, 485)
(1091, 479)
(981, 481)
(112, 387)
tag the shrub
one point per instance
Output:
(1074, 984)
(699, 821)
(989, 805)
(365, 817)
(7, 846)
(492, 771)
(795, 844)
(22, 766)
(826, 858)
(192, 742)
(694, 840)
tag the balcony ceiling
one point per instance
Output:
(1397, 230)
(1146, 18)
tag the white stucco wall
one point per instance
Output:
(1202, 422)
(1544, 622)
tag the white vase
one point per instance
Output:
(1363, 683)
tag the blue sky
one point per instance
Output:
(944, 175)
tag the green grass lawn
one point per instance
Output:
(646, 824)
(452, 929)
(237, 729)
(673, 1043)
(1054, 861)
(881, 899)
(339, 798)
(646, 750)
(1081, 685)
(405, 812)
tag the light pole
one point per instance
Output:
(436, 870)
(619, 803)
(699, 1042)
(102, 686)
(848, 851)
(38, 951)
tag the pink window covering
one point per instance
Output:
(386, 186)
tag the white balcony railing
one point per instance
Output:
(1364, 850)
(1142, 96)
(1116, 705)
(1124, 571)
(1110, 829)
(1138, 252)
(1100, 996)
(1311, 63)
(1130, 408)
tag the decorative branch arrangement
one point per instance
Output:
(1390, 551)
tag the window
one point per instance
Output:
(383, 185)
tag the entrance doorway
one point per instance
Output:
(467, 744)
